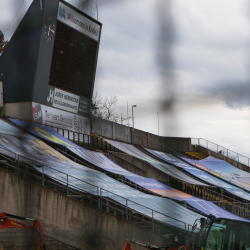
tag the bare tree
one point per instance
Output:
(3, 43)
(96, 108)
(108, 107)
(104, 107)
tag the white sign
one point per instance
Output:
(65, 100)
(78, 22)
(60, 119)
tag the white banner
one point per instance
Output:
(60, 119)
(78, 22)
(65, 100)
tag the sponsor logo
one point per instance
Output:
(51, 137)
(37, 113)
(51, 96)
(62, 13)
(84, 26)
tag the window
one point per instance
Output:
(216, 237)
(245, 237)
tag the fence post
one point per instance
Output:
(126, 209)
(217, 148)
(67, 184)
(43, 176)
(18, 165)
(153, 220)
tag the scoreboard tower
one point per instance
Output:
(48, 67)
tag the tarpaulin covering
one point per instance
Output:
(208, 207)
(165, 168)
(95, 182)
(224, 170)
(117, 188)
(201, 174)
(100, 160)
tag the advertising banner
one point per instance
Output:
(61, 119)
(224, 170)
(67, 101)
(78, 21)
(201, 174)
(44, 132)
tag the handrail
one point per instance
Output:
(221, 150)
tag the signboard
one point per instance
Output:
(67, 101)
(78, 21)
(61, 119)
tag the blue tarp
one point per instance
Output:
(224, 170)
(207, 207)
(201, 174)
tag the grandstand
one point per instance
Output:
(83, 177)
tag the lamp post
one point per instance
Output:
(133, 106)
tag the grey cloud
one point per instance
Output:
(235, 95)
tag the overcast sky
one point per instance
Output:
(187, 60)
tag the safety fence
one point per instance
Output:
(221, 150)
(98, 197)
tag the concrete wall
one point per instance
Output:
(69, 220)
(111, 130)
(13, 238)
(116, 157)
(133, 164)
(123, 133)
(197, 148)
(21, 110)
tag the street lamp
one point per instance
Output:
(133, 106)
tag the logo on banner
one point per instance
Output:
(62, 13)
(50, 98)
(51, 137)
(37, 115)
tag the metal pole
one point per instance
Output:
(133, 106)
(67, 185)
(158, 122)
(43, 176)
(133, 126)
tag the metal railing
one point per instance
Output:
(221, 150)
(94, 196)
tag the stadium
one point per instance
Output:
(82, 182)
